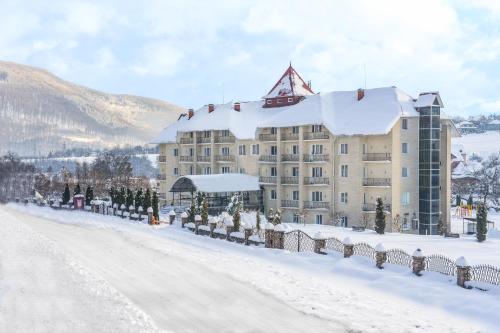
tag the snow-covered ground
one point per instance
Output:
(166, 277)
(482, 144)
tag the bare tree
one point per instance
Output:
(488, 180)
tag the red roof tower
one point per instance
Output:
(290, 89)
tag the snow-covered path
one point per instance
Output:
(182, 282)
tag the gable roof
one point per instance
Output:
(290, 84)
(429, 99)
(216, 183)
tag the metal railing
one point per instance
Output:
(289, 136)
(316, 136)
(289, 180)
(268, 180)
(224, 158)
(203, 158)
(316, 158)
(268, 158)
(376, 181)
(186, 141)
(316, 204)
(371, 207)
(316, 181)
(203, 140)
(267, 137)
(186, 158)
(290, 203)
(289, 158)
(225, 139)
(377, 157)
(162, 158)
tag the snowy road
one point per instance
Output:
(169, 279)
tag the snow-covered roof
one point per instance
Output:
(429, 99)
(216, 183)
(495, 122)
(290, 84)
(339, 111)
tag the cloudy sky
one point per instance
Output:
(197, 52)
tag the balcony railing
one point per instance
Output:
(289, 180)
(289, 136)
(376, 181)
(316, 136)
(162, 158)
(316, 204)
(377, 157)
(267, 180)
(186, 158)
(225, 139)
(268, 158)
(290, 203)
(203, 158)
(316, 158)
(316, 181)
(289, 158)
(203, 140)
(224, 158)
(186, 141)
(371, 207)
(267, 137)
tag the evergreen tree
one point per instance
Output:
(78, 190)
(155, 203)
(204, 211)
(130, 199)
(440, 227)
(459, 200)
(121, 197)
(88, 199)
(236, 219)
(147, 200)
(199, 202)
(380, 217)
(257, 220)
(66, 195)
(91, 193)
(192, 210)
(112, 195)
(277, 217)
(469, 201)
(481, 220)
(138, 199)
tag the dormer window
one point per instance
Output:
(269, 101)
(290, 100)
(279, 101)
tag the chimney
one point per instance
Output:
(309, 84)
(237, 106)
(190, 113)
(464, 157)
(211, 108)
(361, 94)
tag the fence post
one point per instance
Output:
(213, 224)
(171, 217)
(115, 206)
(248, 229)
(229, 230)
(348, 247)
(279, 236)
(122, 208)
(319, 242)
(418, 263)
(140, 210)
(184, 218)
(197, 222)
(269, 235)
(380, 256)
(150, 215)
(463, 272)
(131, 209)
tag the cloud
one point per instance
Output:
(158, 58)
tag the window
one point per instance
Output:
(176, 152)
(206, 134)
(404, 172)
(365, 148)
(207, 151)
(224, 133)
(295, 149)
(343, 221)
(274, 172)
(242, 150)
(269, 101)
(176, 171)
(316, 128)
(343, 149)
(290, 100)
(225, 151)
(242, 170)
(191, 170)
(255, 149)
(274, 150)
(406, 223)
(191, 152)
(405, 198)
(317, 149)
(319, 219)
(278, 101)
(343, 171)
(295, 129)
(295, 171)
(295, 195)
(404, 148)
(343, 197)
(404, 123)
(274, 130)
(317, 172)
(225, 169)
(317, 196)
(207, 170)
(296, 218)
(272, 195)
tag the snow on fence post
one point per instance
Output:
(269, 235)
(228, 221)
(213, 225)
(380, 256)
(279, 236)
(197, 222)
(140, 210)
(348, 247)
(319, 243)
(171, 217)
(115, 206)
(122, 208)
(150, 215)
(184, 218)
(248, 229)
(463, 272)
(131, 209)
(418, 262)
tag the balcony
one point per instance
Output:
(267, 137)
(290, 137)
(186, 158)
(224, 158)
(268, 158)
(162, 159)
(316, 136)
(203, 159)
(383, 182)
(371, 207)
(186, 141)
(289, 203)
(225, 139)
(377, 157)
(316, 205)
(316, 181)
(289, 180)
(203, 140)
(289, 158)
(268, 180)
(316, 158)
